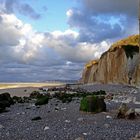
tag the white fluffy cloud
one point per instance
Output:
(26, 51)
(28, 55)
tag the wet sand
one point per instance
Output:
(24, 89)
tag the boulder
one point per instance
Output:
(5, 101)
(130, 114)
(18, 99)
(36, 94)
(42, 100)
(93, 104)
(122, 111)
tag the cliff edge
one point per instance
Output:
(119, 65)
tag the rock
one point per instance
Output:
(36, 94)
(130, 114)
(109, 97)
(137, 110)
(137, 135)
(122, 111)
(85, 134)
(5, 101)
(67, 121)
(80, 119)
(46, 128)
(108, 117)
(1, 126)
(42, 100)
(63, 109)
(92, 104)
(36, 118)
(79, 138)
(18, 99)
(56, 108)
(106, 125)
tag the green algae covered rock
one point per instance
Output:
(93, 104)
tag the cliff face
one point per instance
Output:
(120, 64)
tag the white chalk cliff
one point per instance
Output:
(119, 65)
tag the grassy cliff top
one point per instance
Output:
(127, 44)
(131, 40)
(91, 63)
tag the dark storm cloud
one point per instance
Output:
(92, 28)
(99, 20)
(126, 7)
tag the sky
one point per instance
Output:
(43, 40)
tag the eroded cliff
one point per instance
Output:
(120, 64)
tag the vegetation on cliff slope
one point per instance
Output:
(131, 40)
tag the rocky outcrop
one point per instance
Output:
(119, 65)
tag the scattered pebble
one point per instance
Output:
(46, 128)
(108, 117)
(80, 119)
(1, 126)
(85, 134)
(67, 121)
(79, 138)
(106, 125)
(36, 118)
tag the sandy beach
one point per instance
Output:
(24, 89)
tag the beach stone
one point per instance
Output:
(56, 108)
(122, 111)
(46, 128)
(79, 138)
(93, 104)
(5, 101)
(80, 119)
(67, 121)
(106, 125)
(109, 96)
(130, 114)
(36, 118)
(137, 135)
(108, 117)
(137, 110)
(1, 126)
(35, 94)
(85, 134)
(18, 99)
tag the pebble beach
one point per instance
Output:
(64, 121)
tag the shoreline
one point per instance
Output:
(26, 85)
(25, 89)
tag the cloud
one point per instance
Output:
(30, 55)
(99, 20)
(129, 7)
(27, 10)
(11, 6)
(9, 33)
